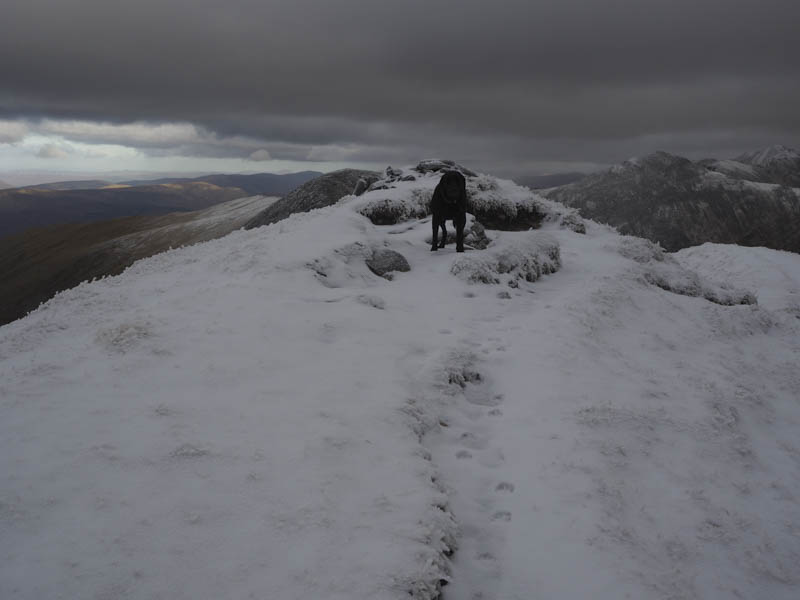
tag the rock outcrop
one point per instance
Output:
(319, 192)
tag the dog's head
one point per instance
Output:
(453, 186)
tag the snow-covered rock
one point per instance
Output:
(385, 261)
(774, 275)
(436, 165)
(664, 271)
(495, 203)
(525, 257)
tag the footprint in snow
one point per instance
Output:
(370, 300)
(504, 486)
(501, 515)
(479, 399)
(463, 454)
(470, 440)
(162, 410)
(495, 412)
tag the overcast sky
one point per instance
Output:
(509, 87)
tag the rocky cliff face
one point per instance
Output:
(679, 203)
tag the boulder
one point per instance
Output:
(383, 261)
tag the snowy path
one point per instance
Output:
(509, 546)
(260, 416)
(568, 458)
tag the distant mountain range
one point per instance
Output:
(752, 200)
(97, 200)
(23, 208)
(265, 184)
(40, 262)
(77, 184)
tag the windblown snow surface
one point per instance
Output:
(260, 416)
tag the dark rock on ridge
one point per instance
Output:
(320, 192)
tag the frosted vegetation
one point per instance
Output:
(272, 414)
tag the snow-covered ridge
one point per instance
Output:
(264, 416)
(768, 155)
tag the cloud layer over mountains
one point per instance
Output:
(574, 81)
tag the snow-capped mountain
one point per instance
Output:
(323, 408)
(776, 164)
(771, 154)
(679, 203)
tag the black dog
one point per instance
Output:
(449, 203)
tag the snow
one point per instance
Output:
(261, 416)
(774, 273)
(728, 181)
(733, 168)
(199, 226)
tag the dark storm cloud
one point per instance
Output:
(397, 78)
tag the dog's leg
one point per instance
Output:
(444, 234)
(460, 222)
(435, 237)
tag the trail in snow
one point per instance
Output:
(631, 453)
